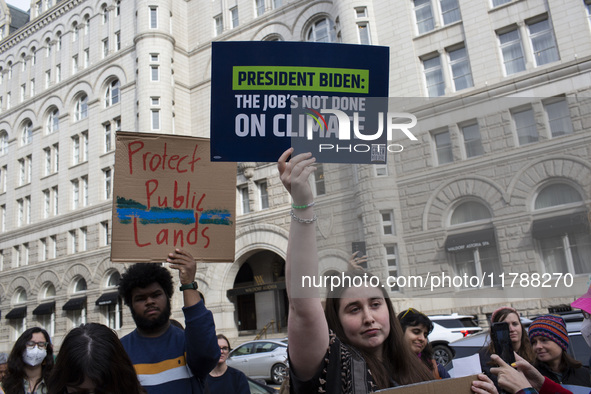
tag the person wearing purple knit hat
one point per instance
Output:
(549, 338)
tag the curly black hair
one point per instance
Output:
(142, 275)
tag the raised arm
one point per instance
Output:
(307, 328)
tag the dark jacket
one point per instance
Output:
(574, 376)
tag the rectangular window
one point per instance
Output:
(277, 3)
(319, 187)
(153, 17)
(434, 76)
(83, 240)
(84, 190)
(43, 249)
(46, 203)
(47, 78)
(22, 172)
(525, 125)
(154, 73)
(543, 42)
(235, 20)
(74, 63)
(56, 155)
(381, 169)
(73, 247)
(259, 7)
(86, 58)
(155, 101)
(23, 91)
(155, 119)
(512, 51)
(472, 140)
(58, 73)
(21, 212)
(443, 147)
(424, 16)
(559, 117)
(3, 217)
(108, 183)
(450, 11)
(218, 24)
(361, 12)
(244, 199)
(3, 175)
(460, 69)
(75, 194)
(263, 195)
(55, 201)
(477, 262)
(364, 37)
(115, 315)
(28, 210)
(76, 150)
(25, 254)
(497, 3)
(567, 253)
(387, 218)
(154, 57)
(32, 87)
(118, 41)
(392, 261)
(106, 235)
(84, 153)
(107, 132)
(105, 46)
(53, 246)
(16, 262)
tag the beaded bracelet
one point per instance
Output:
(305, 221)
(303, 206)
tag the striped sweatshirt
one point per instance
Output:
(176, 361)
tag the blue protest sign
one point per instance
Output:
(329, 99)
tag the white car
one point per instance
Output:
(449, 328)
(261, 359)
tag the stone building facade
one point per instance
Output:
(497, 182)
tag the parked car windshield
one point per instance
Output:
(453, 323)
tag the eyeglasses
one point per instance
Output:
(40, 345)
(225, 349)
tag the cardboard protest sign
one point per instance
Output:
(454, 385)
(268, 96)
(167, 195)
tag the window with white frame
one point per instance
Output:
(559, 118)
(361, 12)
(76, 152)
(114, 310)
(8, 100)
(47, 79)
(108, 183)
(78, 315)
(81, 108)
(105, 48)
(25, 169)
(460, 68)
(84, 190)
(512, 51)
(3, 142)
(3, 217)
(153, 17)
(27, 211)
(16, 257)
(112, 93)
(263, 194)
(86, 25)
(469, 211)
(321, 31)
(21, 212)
(363, 30)
(392, 263)
(46, 203)
(387, 219)
(244, 199)
(234, 16)
(47, 318)
(543, 43)
(75, 194)
(23, 90)
(74, 64)
(52, 124)
(108, 137)
(588, 8)
(83, 241)
(20, 323)
(3, 178)
(434, 76)
(105, 234)
(74, 32)
(105, 11)
(497, 3)
(155, 117)
(86, 57)
(563, 241)
(55, 206)
(154, 73)
(53, 246)
(73, 241)
(443, 147)
(58, 73)
(117, 40)
(450, 11)
(472, 140)
(43, 249)
(58, 41)
(424, 15)
(218, 25)
(318, 186)
(25, 254)
(381, 169)
(430, 14)
(259, 7)
(525, 126)
(32, 87)
(27, 133)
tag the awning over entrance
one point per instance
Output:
(255, 288)
(75, 304)
(17, 313)
(108, 299)
(471, 240)
(576, 222)
(44, 309)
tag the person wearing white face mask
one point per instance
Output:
(30, 363)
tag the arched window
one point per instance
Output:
(86, 25)
(58, 41)
(81, 108)
(113, 280)
(321, 31)
(21, 296)
(24, 62)
(469, 211)
(9, 70)
(45, 311)
(112, 93)
(52, 124)
(27, 135)
(49, 291)
(273, 37)
(33, 56)
(105, 12)
(74, 31)
(556, 194)
(563, 240)
(79, 286)
(3, 142)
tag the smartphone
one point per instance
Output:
(499, 334)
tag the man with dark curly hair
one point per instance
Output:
(166, 359)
